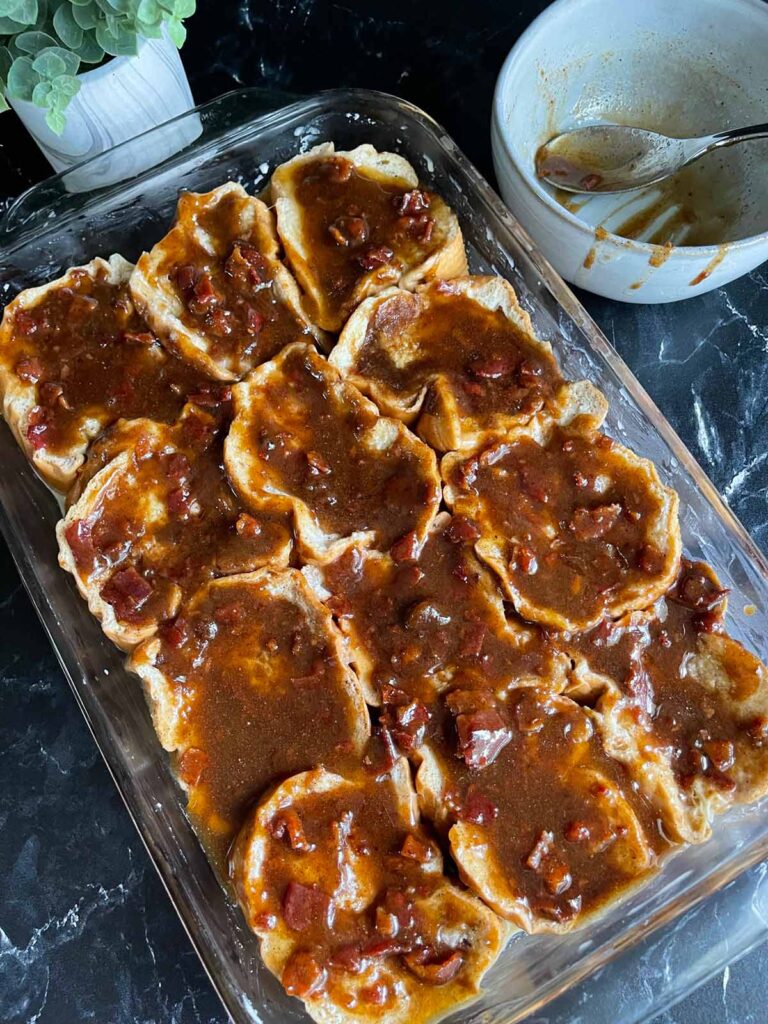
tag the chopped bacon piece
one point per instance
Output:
(524, 559)
(254, 321)
(306, 906)
(721, 753)
(391, 694)
(399, 905)
(593, 523)
(528, 375)
(697, 590)
(230, 614)
(482, 736)
(433, 970)
(287, 825)
(204, 292)
(211, 395)
(541, 849)
(376, 257)
(175, 633)
(192, 764)
(79, 536)
(461, 530)
(304, 976)
(381, 754)
(407, 724)
(349, 231)
(577, 832)
(246, 265)
(416, 848)
(757, 730)
(178, 501)
(127, 591)
(49, 393)
(412, 203)
(185, 277)
(472, 640)
(421, 228)
(30, 369)
(490, 367)
(318, 464)
(337, 169)
(138, 337)
(477, 808)
(375, 994)
(247, 526)
(24, 322)
(405, 548)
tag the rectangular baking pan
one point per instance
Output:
(51, 228)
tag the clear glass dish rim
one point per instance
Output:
(249, 127)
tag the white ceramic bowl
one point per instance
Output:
(683, 67)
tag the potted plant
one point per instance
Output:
(84, 75)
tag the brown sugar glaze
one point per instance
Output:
(91, 356)
(489, 363)
(649, 659)
(529, 772)
(198, 527)
(309, 438)
(356, 223)
(228, 295)
(574, 542)
(265, 696)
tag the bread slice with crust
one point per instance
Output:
(349, 229)
(346, 893)
(214, 290)
(250, 683)
(155, 519)
(457, 358)
(305, 442)
(74, 357)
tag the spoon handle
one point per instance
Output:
(756, 131)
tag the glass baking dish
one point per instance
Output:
(51, 228)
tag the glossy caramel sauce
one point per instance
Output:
(226, 286)
(559, 817)
(309, 435)
(356, 223)
(490, 364)
(264, 696)
(573, 515)
(90, 356)
(170, 521)
(708, 736)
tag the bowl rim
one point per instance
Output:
(499, 140)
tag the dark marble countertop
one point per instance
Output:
(86, 931)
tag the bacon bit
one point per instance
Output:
(385, 923)
(434, 971)
(528, 375)
(204, 292)
(425, 614)
(577, 832)
(406, 724)
(593, 523)
(409, 575)
(246, 264)
(415, 848)
(476, 808)
(264, 922)
(465, 473)
(254, 321)
(472, 640)
(411, 204)
(376, 257)
(375, 994)
(524, 559)
(337, 169)
(127, 591)
(138, 338)
(306, 906)
(192, 764)
(79, 536)
(490, 367)
(349, 231)
(247, 527)
(529, 715)
(557, 878)
(697, 590)
(396, 903)
(405, 548)
(185, 277)
(231, 614)
(221, 322)
(178, 502)
(541, 849)
(24, 323)
(757, 730)
(177, 467)
(304, 976)
(461, 530)
(534, 485)
(580, 480)
(604, 442)
(665, 640)
(349, 958)
(421, 228)
(287, 825)
(211, 395)
(318, 464)
(393, 695)
(175, 633)
(709, 622)
(482, 736)
(381, 754)
(30, 369)
(721, 753)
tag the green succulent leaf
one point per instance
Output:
(55, 60)
(41, 94)
(22, 11)
(56, 121)
(149, 31)
(22, 79)
(86, 16)
(184, 8)
(3, 100)
(67, 29)
(149, 10)
(176, 32)
(89, 50)
(34, 42)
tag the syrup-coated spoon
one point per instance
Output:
(616, 158)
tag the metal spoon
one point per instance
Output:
(615, 158)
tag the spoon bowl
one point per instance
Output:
(612, 158)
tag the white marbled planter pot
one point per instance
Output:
(118, 101)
